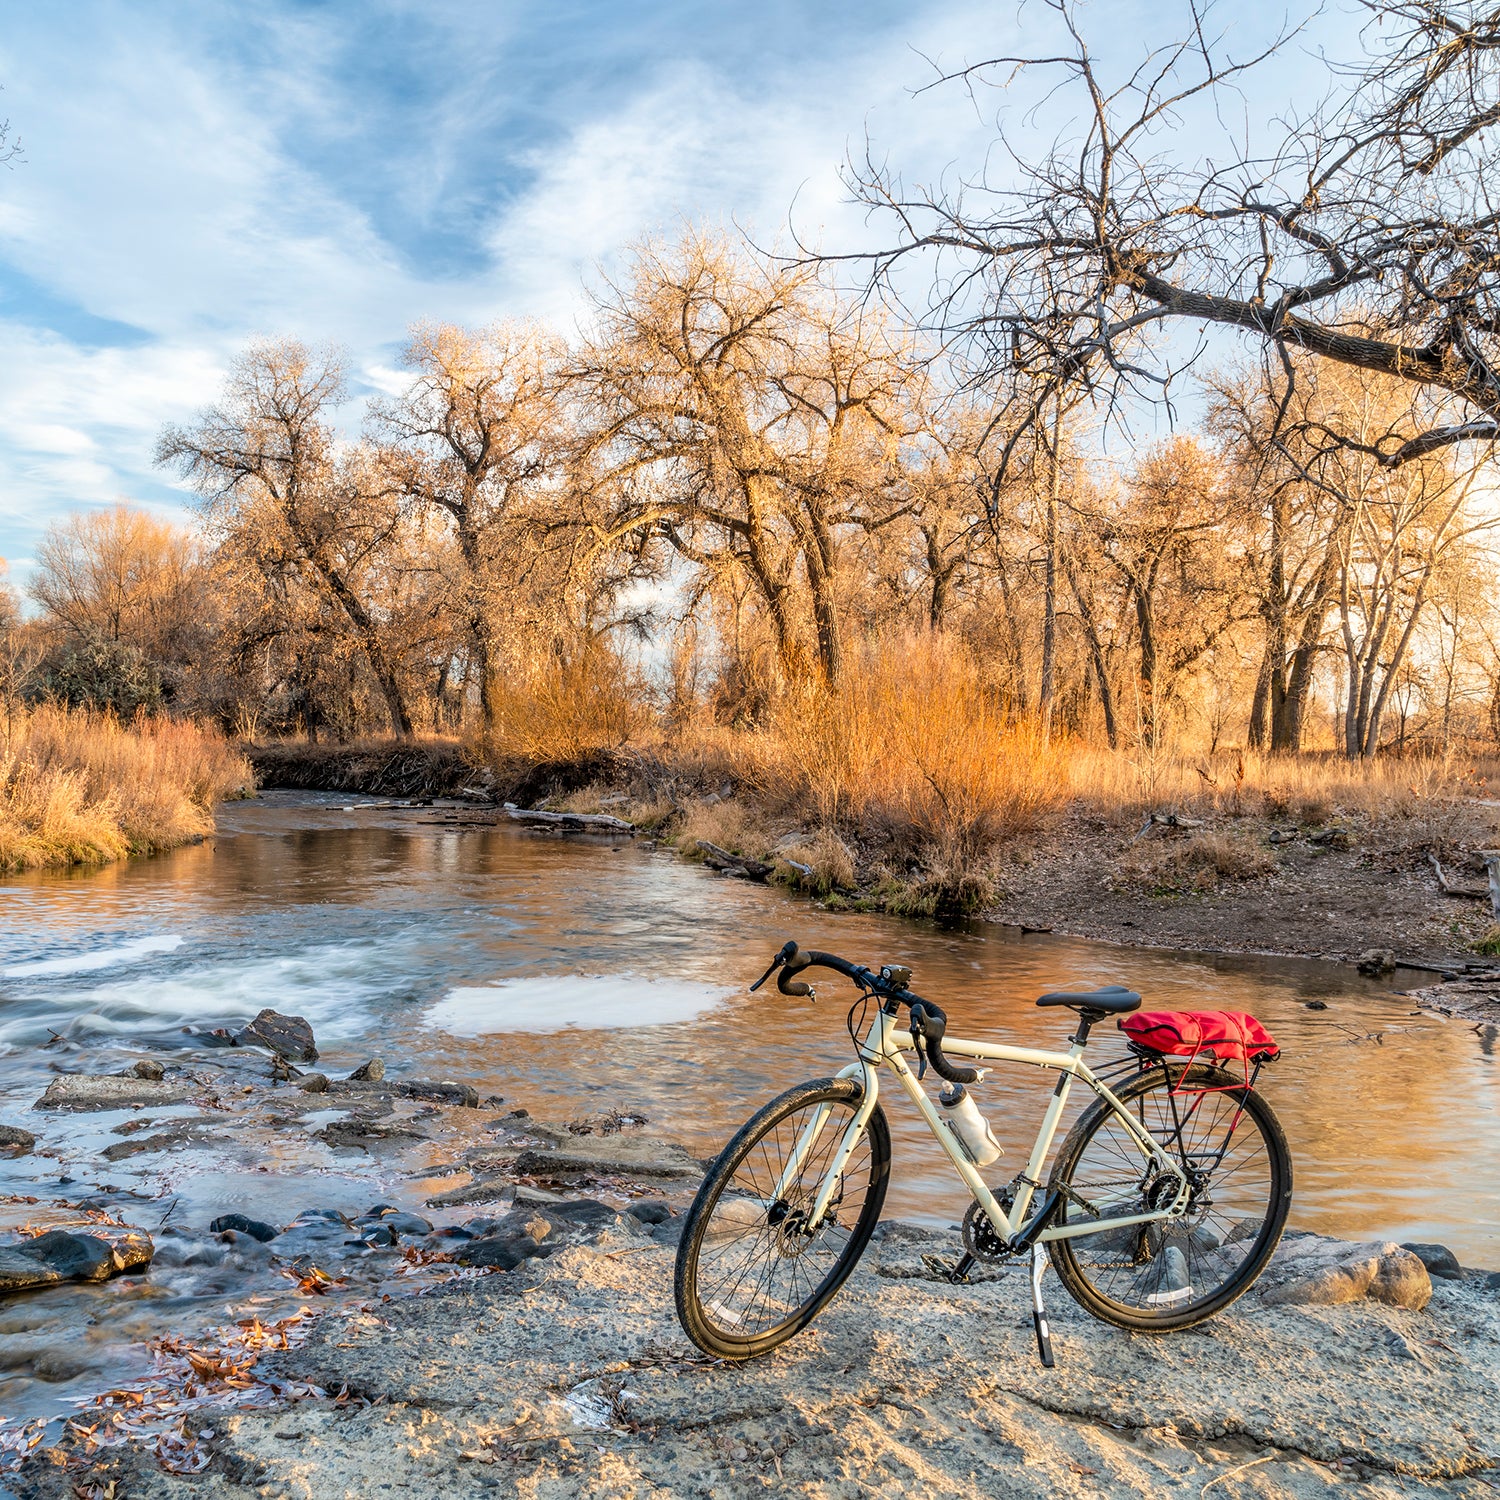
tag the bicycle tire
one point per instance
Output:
(746, 1281)
(1164, 1276)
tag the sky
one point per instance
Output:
(198, 174)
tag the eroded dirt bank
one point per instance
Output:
(569, 1377)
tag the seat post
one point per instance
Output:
(1086, 1019)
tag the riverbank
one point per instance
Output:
(511, 1332)
(79, 787)
(1318, 865)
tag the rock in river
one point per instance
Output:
(288, 1036)
(15, 1142)
(88, 1091)
(58, 1255)
(255, 1228)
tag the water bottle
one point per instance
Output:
(962, 1117)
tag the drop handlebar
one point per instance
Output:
(888, 983)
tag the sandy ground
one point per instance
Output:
(569, 1377)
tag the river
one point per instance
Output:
(571, 975)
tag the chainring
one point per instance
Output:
(981, 1239)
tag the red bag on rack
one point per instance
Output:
(1225, 1035)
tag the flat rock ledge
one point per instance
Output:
(569, 1376)
(93, 1091)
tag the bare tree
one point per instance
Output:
(1361, 231)
(124, 575)
(265, 461)
(476, 434)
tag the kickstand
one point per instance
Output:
(1038, 1312)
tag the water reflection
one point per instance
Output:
(367, 920)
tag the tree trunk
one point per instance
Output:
(1049, 603)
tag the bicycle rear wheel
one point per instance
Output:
(749, 1275)
(1172, 1273)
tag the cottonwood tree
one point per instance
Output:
(1360, 231)
(266, 462)
(475, 437)
(750, 418)
(122, 575)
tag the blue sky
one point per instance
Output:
(197, 174)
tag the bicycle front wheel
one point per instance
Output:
(1172, 1273)
(750, 1272)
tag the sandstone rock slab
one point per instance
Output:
(90, 1091)
(1316, 1272)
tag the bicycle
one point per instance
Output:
(1163, 1205)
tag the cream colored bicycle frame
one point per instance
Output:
(883, 1045)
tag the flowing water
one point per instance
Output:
(572, 975)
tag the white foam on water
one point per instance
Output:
(563, 1002)
(84, 963)
(330, 985)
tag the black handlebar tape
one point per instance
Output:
(933, 1022)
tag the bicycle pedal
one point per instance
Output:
(954, 1275)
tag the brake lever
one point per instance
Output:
(918, 1017)
(788, 948)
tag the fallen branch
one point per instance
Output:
(571, 822)
(1167, 820)
(1465, 892)
(733, 864)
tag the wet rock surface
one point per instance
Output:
(59, 1255)
(290, 1037)
(91, 1091)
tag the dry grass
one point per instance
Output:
(569, 711)
(1195, 862)
(78, 787)
(1414, 805)
(911, 782)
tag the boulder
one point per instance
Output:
(239, 1223)
(56, 1256)
(288, 1036)
(1376, 962)
(1439, 1259)
(88, 1091)
(1313, 1271)
(14, 1141)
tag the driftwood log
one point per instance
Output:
(569, 822)
(1490, 893)
(733, 864)
(1167, 820)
